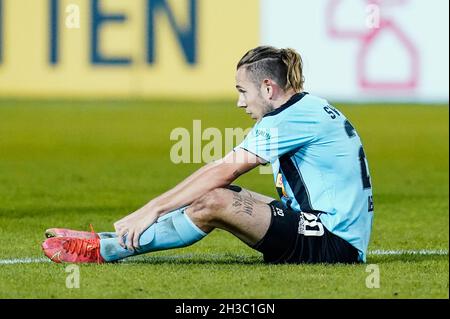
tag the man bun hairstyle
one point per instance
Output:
(284, 66)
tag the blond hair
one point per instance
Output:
(284, 66)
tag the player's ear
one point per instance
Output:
(268, 88)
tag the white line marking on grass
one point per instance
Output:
(23, 261)
(378, 252)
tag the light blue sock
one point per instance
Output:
(172, 230)
(105, 235)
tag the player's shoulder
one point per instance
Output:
(314, 100)
(302, 107)
(318, 110)
(312, 103)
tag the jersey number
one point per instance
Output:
(364, 174)
(350, 130)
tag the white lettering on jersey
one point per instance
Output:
(309, 226)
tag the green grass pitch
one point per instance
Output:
(68, 164)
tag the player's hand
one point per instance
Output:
(130, 228)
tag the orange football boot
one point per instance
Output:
(63, 232)
(73, 250)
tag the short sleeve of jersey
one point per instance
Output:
(279, 134)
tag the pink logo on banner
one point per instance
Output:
(367, 36)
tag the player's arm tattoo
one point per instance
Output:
(243, 204)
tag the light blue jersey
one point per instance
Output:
(319, 165)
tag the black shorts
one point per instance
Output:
(301, 238)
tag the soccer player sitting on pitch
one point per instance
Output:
(320, 170)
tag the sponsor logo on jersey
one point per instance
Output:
(280, 186)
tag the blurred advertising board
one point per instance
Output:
(365, 50)
(353, 50)
(116, 48)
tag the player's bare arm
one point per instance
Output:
(217, 174)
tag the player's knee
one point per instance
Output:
(216, 200)
(210, 206)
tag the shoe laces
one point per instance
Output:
(83, 247)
